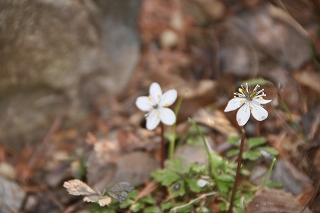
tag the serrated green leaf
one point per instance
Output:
(178, 189)
(234, 141)
(175, 164)
(251, 155)
(199, 169)
(151, 209)
(232, 152)
(193, 185)
(270, 150)
(254, 142)
(165, 177)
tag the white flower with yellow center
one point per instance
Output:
(248, 101)
(156, 104)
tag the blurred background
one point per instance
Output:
(72, 69)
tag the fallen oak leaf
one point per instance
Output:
(77, 187)
(119, 192)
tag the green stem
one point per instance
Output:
(162, 151)
(173, 131)
(235, 186)
(213, 168)
(265, 182)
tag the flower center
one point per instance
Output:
(250, 94)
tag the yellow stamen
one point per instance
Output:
(158, 115)
(166, 105)
(260, 98)
(241, 101)
(251, 108)
(159, 96)
(240, 90)
(150, 98)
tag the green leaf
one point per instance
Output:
(133, 194)
(148, 199)
(199, 169)
(232, 152)
(270, 150)
(151, 209)
(165, 177)
(178, 189)
(225, 178)
(251, 155)
(239, 209)
(124, 204)
(137, 207)
(254, 142)
(224, 182)
(176, 165)
(234, 141)
(223, 206)
(167, 205)
(248, 197)
(192, 183)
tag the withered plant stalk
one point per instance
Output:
(234, 190)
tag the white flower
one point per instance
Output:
(156, 104)
(249, 101)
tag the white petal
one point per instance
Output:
(168, 98)
(167, 116)
(144, 103)
(153, 119)
(234, 103)
(259, 112)
(243, 114)
(262, 101)
(155, 92)
(201, 183)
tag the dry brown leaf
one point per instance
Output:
(77, 187)
(308, 79)
(102, 200)
(274, 201)
(216, 120)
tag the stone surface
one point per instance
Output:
(59, 58)
(11, 196)
(274, 201)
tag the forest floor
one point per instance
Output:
(205, 50)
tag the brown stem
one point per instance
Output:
(162, 154)
(234, 190)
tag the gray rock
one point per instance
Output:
(59, 58)
(11, 196)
